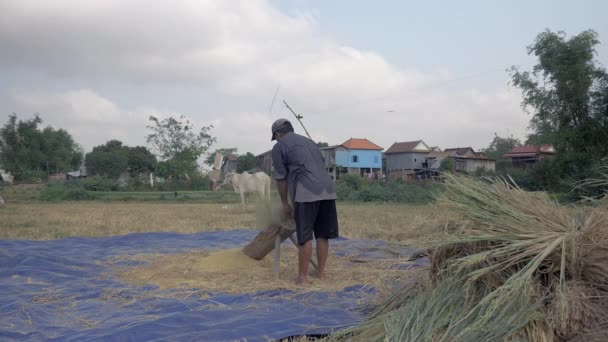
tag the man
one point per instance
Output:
(301, 178)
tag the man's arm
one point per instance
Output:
(280, 175)
(282, 187)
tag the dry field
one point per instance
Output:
(42, 221)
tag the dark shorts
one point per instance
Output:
(316, 218)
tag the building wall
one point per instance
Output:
(474, 164)
(264, 162)
(405, 161)
(329, 155)
(365, 159)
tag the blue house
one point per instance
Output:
(354, 156)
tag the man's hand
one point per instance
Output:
(287, 212)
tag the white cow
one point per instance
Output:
(246, 183)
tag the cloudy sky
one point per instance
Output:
(383, 70)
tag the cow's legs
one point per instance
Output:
(243, 200)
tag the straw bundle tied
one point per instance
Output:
(517, 267)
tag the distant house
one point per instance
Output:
(354, 156)
(404, 159)
(463, 159)
(229, 164)
(461, 151)
(525, 156)
(263, 162)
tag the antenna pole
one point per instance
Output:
(298, 117)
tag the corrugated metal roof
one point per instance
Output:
(460, 150)
(404, 147)
(530, 150)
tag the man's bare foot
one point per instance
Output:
(318, 275)
(300, 280)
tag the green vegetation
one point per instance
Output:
(29, 152)
(511, 266)
(75, 193)
(245, 162)
(356, 189)
(567, 95)
(179, 145)
(113, 158)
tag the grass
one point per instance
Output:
(53, 220)
(517, 266)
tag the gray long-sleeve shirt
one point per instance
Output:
(298, 160)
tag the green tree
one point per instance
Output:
(182, 166)
(140, 160)
(60, 150)
(26, 150)
(223, 151)
(501, 146)
(108, 160)
(179, 144)
(322, 144)
(172, 136)
(567, 94)
(245, 162)
(20, 143)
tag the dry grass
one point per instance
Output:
(43, 221)
(231, 271)
(518, 267)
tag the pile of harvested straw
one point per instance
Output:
(516, 268)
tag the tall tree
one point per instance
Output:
(172, 136)
(567, 94)
(108, 160)
(223, 151)
(179, 144)
(182, 166)
(26, 150)
(245, 162)
(140, 159)
(501, 146)
(61, 152)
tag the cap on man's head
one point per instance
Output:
(278, 125)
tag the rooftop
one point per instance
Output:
(361, 144)
(408, 146)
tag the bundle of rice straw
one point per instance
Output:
(599, 181)
(516, 268)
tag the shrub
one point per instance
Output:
(52, 193)
(355, 182)
(99, 183)
(78, 195)
(60, 193)
(392, 191)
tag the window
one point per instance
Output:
(375, 159)
(355, 159)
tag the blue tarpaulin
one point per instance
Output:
(62, 290)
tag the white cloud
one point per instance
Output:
(236, 53)
(89, 117)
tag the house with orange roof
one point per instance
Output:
(355, 156)
(525, 156)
